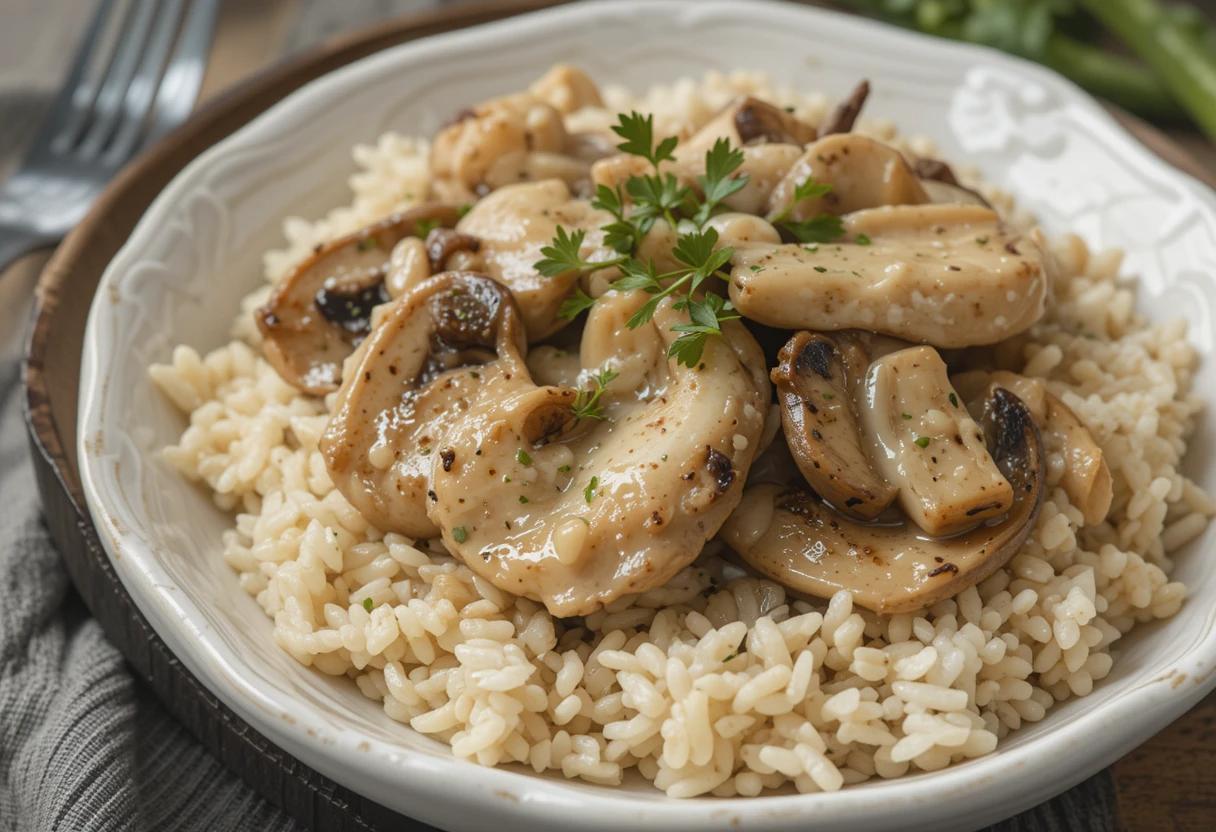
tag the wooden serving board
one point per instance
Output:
(52, 373)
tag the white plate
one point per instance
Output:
(197, 251)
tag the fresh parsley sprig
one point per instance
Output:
(635, 209)
(717, 183)
(587, 403)
(564, 254)
(638, 132)
(821, 228)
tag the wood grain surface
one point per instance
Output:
(1168, 783)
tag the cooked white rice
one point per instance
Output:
(715, 683)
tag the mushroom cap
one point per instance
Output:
(319, 312)
(446, 344)
(819, 379)
(863, 173)
(618, 505)
(794, 538)
(1086, 478)
(746, 121)
(512, 225)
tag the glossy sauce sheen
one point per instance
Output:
(949, 275)
(927, 445)
(645, 488)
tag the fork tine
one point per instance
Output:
(147, 78)
(76, 95)
(180, 85)
(108, 107)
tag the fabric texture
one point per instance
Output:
(83, 745)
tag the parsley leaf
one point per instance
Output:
(592, 487)
(562, 254)
(636, 275)
(708, 315)
(638, 132)
(806, 189)
(655, 197)
(809, 188)
(696, 250)
(717, 184)
(575, 305)
(587, 403)
(823, 228)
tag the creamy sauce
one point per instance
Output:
(949, 275)
(927, 445)
(513, 224)
(649, 484)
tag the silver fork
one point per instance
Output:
(135, 76)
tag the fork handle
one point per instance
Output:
(17, 242)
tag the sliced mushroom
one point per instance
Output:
(819, 379)
(567, 89)
(622, 503)
(764, 165)
(940, 183)
(947, 275)
(863, 173)
(408, 265)
(747, 121)
(1086, 478)
(513, 126)
(794, 538)
(926, 444)
(447, 344)
(513, 224)
(844, 116)
(322, 309)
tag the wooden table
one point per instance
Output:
(1169, 783)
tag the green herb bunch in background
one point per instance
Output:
(1168, 71)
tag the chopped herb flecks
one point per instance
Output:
(460, 534)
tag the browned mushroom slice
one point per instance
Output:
(448, 342)
(794, 538)
(818, 379)
(925, 443)
(942, 186)
(321, 310)
(844, 116)
(863, 173)
(1086, 479)
(747, 121)
(513, 224)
